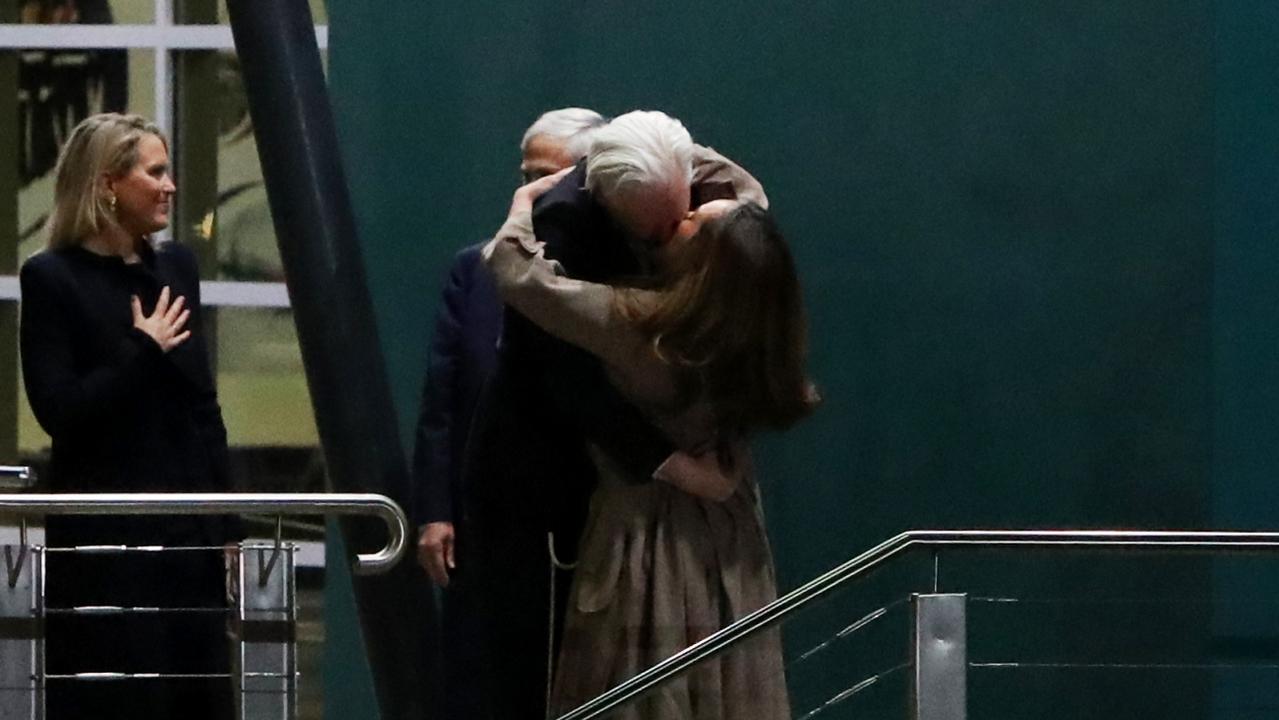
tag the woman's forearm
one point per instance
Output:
(577, 312)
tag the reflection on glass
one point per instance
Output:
(57, 89)
(95, 12)
(239, 226)
(245, 237)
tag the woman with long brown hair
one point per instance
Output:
(712, 351)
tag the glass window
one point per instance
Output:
(264, 398)
(319, 13)
(221, 212)
(97, 12)
(222, 197)
(245, 235)
(261, 384)
(57, 89)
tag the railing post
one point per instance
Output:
(265, 633)
(21, 632)
(939, 688)
(21, 611)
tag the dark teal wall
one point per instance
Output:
(1037, 241)
(1246, 340)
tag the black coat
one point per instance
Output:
(527, 470)
(123, 416)
(547, 398)
(463, 353)
(126, 417)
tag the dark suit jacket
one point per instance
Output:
(527, 455)
(463, 353)
(123, 416)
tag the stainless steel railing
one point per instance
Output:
(16, 476)
(261, 583)
(776, 611)
(23, 505)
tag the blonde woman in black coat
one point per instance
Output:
(118, 374)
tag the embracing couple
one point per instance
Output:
(654, 324)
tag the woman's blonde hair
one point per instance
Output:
(103, 144)
(729, 319)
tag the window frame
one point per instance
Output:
(164, 37)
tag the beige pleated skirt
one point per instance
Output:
(660, 570)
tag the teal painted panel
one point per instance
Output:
(1245, 339)
(348, 681)
(1036, 241)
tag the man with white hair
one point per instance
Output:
(556, 140)
(528, 473)
(639, 168)
(463, 352)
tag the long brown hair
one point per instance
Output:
(728, 316)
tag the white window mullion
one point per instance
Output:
(175, 37)
(163, 12)
(163, 112)
(213, 293)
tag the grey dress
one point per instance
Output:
(660, 569)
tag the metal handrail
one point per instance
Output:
(774, 612)
(16, 475)
(279, 504)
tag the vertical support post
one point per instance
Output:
(939, 688)
(21, 633)
(265, 633)
(337, 331)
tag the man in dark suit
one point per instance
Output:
(463, 353)
(527, 472)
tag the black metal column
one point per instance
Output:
(315, 226)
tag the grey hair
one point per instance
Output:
(641, 149)
(572, 125)
(106, 143)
